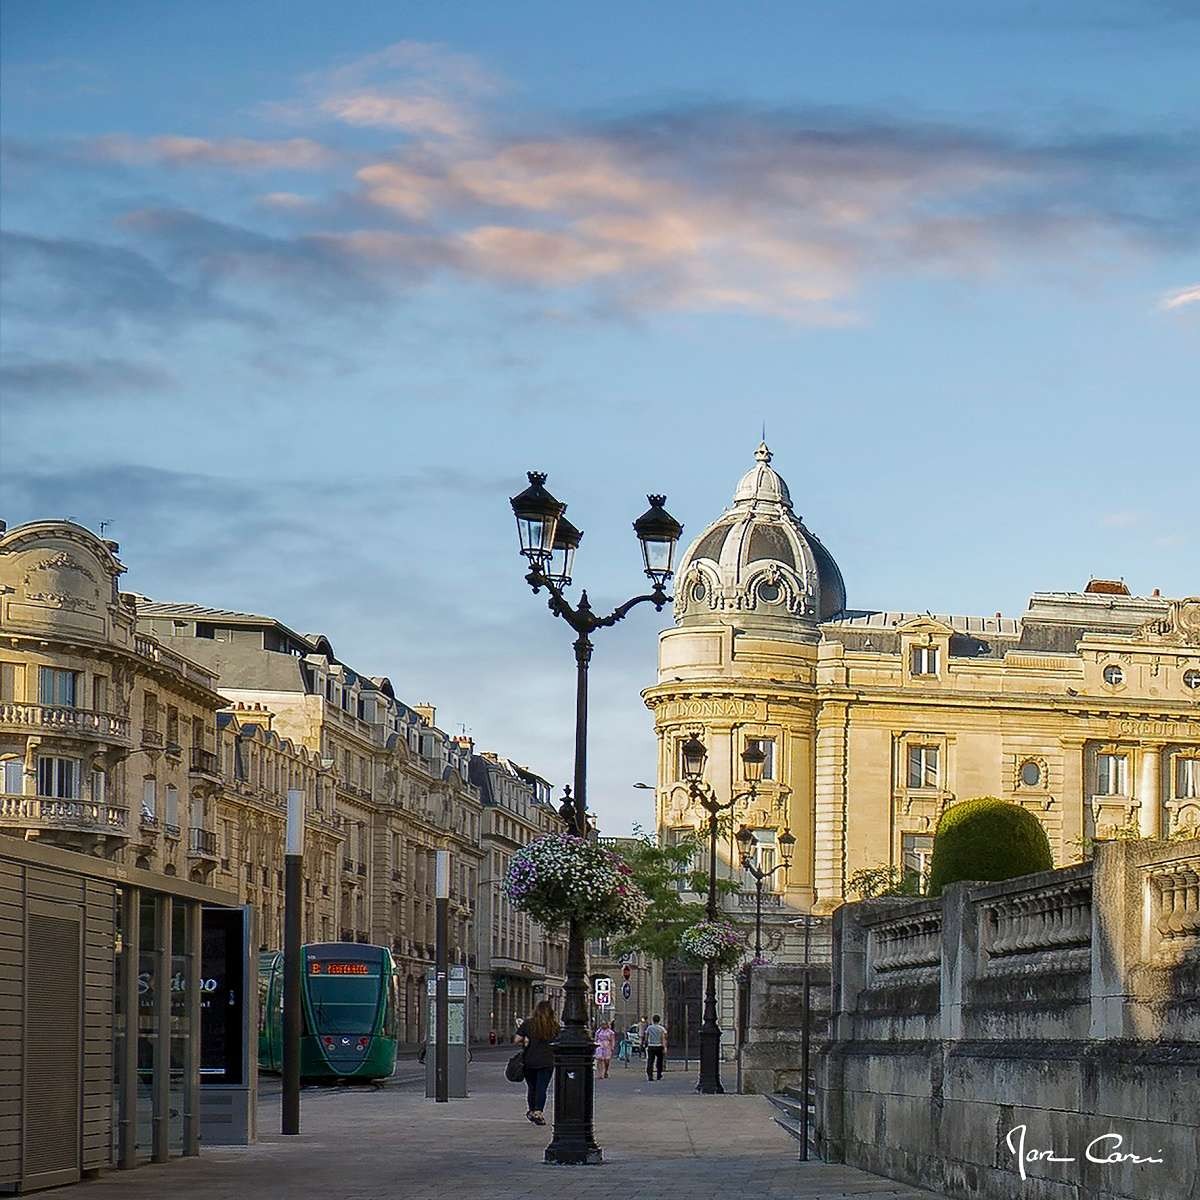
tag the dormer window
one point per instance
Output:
(924, 660)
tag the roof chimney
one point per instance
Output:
(426, 712)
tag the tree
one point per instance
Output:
(872, 882)
(659, 871)
(987, 839)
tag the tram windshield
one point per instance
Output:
(344, 1004)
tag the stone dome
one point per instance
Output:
(758, 562)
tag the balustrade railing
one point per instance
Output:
(204, 761)
(907, 948)
(1174, 896)
(746, 900)
(202, 843)
(1050, 927)
(65, 719)
(52, 812)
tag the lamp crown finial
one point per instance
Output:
(657, 501)
(536, 477)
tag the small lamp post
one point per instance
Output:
(748, 844)
(549, 542)
(694, 755)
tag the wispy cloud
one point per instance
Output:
(1180, 297)
(289, 154)
(28, 381)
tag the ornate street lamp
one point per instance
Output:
(753, 760)
(549, 542)
(748, 844)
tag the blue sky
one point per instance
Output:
(294, 294)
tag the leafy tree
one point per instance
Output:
(659, 871)
(871, 882)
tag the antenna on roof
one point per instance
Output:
(103, 526)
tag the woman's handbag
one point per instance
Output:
(514, 1072)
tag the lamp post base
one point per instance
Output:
(574, 1142)
(710, 1062)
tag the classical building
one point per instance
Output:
(1085, 709)
(524, 962)
(393, 788)
(107, 737)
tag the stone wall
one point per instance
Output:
(1064, 1004)
(771, 1055)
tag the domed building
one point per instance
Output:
(1085, 709)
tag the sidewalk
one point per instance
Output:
(660, 1140)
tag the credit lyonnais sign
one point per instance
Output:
(1172, 730)
(714, 707)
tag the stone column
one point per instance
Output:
(960, 957)
(1075, 801)
(1149, 790)
(829, 852)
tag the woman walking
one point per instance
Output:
(536, 1034)
(606, 1040)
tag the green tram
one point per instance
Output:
(349, 1011)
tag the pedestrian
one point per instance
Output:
(654, 1038)
(606, 1040)
(536, 1034)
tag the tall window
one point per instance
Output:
(99, 694)
(58, 777)
(916, 849)
(172, 724)
(922, 766)
(1187, 778)
(150, 711)
(171, 816)
(11, 674)
(767, 746)
(149, 797)
(13, 776)
(925, 660)
(1112, 775)
(99, 786)
(57, 687)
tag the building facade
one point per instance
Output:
(525, 963)
(1085, 709)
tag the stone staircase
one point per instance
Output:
(788, 1105)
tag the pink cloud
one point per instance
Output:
(1180, 297)
(291, 154)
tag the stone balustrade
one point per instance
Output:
(1174, 904)
(1045, 927)
(905, 949)
(65, 719)
(47, 812)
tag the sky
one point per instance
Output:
(293, 294)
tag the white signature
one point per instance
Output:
(1094, 1152)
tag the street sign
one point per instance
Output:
(627, 957)
(603, 986)
(626, 991)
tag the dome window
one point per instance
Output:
(699, 591)
(1031, 773)
(1191, 679)
(770, 542)
(1113, 675)
(770, 593)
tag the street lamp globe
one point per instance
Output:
(694, 755)
(537, 514)
(745, 841)
(754, 759)
(787, 843)
(658, 532)
(566, 542)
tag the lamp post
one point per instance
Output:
(753, 761)
(748, 844)
(549, 543)
(292, 883)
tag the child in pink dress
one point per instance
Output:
(606, 1040)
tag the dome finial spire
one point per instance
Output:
(763, 453)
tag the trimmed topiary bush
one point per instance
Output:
(987, 839)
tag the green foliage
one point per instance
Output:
(658, 871)
(1131, 831)
(871, 882)
(987, 839)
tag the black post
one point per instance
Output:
(293, 868)
(758, 882)
(441, 1090)
(710, 1031)
(804, 1051)
(574, 1140)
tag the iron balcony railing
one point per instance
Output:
(202, 843)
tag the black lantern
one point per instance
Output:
(694, 754)
(745, 841)
(566, 542)
(537, 514)
(787, 843)
(754, 760)
(658, 532)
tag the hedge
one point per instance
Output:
(987, 839)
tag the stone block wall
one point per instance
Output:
(771, 1055)
(1058, 1008)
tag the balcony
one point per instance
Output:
(80, 822)
(202, 843)
(152, 739)
(348, 865)
(204, 762)
(171, 830)
(65, 721)
(745, 900)
(360, 869)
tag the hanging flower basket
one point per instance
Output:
(717, 942)
(560, 877)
